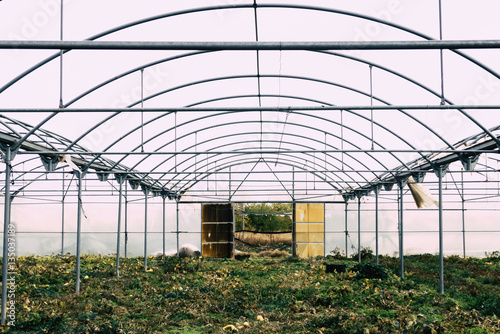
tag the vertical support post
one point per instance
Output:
(463, 212)
(163, 229)
(376, 225)
(202, 231)
(346, 231)
(293, 183)
(177, 223)
(359, 229)
(126, 220)
(118, 231)
(401, 248)
(62, 214)
(145, 231)
(6, 223)
(78, 231)
(294, 239)
(441, 269)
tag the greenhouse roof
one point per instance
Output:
(237, 100)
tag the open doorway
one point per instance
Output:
(264, 228)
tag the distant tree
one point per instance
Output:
(264, 217)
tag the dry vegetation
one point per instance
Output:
(265, 238)
(256, 295)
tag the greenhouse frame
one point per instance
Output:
(137, 140)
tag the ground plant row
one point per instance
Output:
(256, 295)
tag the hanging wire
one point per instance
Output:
(287, 113)
(326, 134)
(229, 185)
(142, 108)
(79, 198)
(498, 180)
(371, 102)
(258, 68)
(258, 54)
(486, 169)
(441, 54)
(307, 178)
(352, 243)
(279, 76)
(281, 137)
(23, 180)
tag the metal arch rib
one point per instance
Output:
(315, 101)
(268, 76)
(249, 142)
(27, 128)
(242, 76)
(247, 122)
(252, 76)
(309, 116)
(325, 103)
(303, 7)
(254, 160)
(243, 153)
(136, 69)
(298, 78)
(240, 122)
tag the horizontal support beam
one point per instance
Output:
(250, 109)
(297, 171)
(490, 149)
(320, 45)
(34, 148)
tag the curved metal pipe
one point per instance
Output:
(301, 7)
(248, 122)
(242, 152)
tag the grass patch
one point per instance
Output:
(257, 295)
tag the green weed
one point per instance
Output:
(199, 295)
